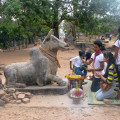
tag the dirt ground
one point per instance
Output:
(54, 107)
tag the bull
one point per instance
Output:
(41, 68)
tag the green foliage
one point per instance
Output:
(97, 16)
(9, 34)
(23, 19)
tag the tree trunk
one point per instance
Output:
(29, 41)
(26, 43)
(4, 45)
(32, 40)
(19, 44)
(75, 7)
(14, 45)
(56, 13)
(89, 38)
(74, 31)
(56, 33)
(9, 46)
(23, 43)
(78, 36)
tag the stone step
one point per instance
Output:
(48, 89)
(81, 44)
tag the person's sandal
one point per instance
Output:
(84, 83)
(90, 77)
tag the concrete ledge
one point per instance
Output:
(50, 89)
(81, 44)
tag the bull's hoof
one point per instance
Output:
(62, 83)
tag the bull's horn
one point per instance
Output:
(48, 35)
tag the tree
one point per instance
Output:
(92, 16)
(33, 13)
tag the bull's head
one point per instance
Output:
(52, 42)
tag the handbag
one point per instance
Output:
(104, 86)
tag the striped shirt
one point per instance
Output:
(113, 78)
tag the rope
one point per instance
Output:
(58, 64)
(93, 68)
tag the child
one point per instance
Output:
(77, 64)
(98, 65)
(88, 56)
(103, 49)
(78, 67)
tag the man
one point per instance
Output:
(98, 65)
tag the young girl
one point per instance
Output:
(110, 77)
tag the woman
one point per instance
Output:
(110, 77)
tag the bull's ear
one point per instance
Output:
(48, 35)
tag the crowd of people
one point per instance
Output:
(105, 68)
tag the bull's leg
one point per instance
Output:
(39, 82)
(60, 82)
(11, 78)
